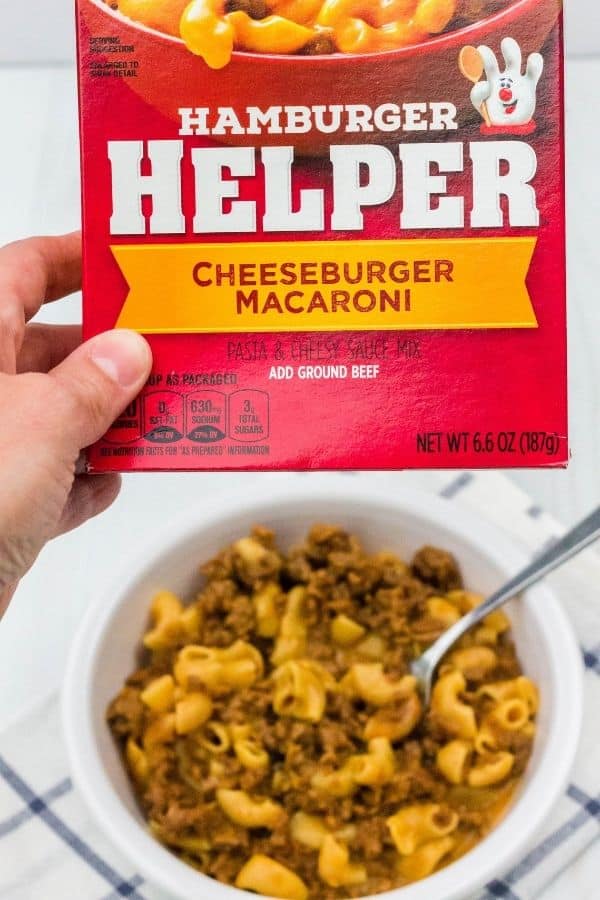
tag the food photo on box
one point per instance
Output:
(298, 478)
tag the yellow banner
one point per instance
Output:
(327, 285)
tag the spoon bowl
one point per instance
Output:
(470, 63)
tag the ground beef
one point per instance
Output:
(388, 599)
(437, 568)
(126, 714)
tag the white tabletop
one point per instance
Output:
(39, 191)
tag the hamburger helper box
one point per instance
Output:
(339, 223)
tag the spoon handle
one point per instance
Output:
(484, 112)
(580, 537)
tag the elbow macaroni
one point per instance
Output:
(268, 877)
(160, 694)
(426, 859)
(491, 770)
(292, 733)
(137, 761)
(192, 711)
(301, 689)
(397, 721)
(165, 613)
(443, 611)
(474, 662)
(219, 671)
(308, 830)
(346, 631)
(251, 754)
(482, 761)
(452, 760)
(248, 812)
(368, 681)
(291, 639)
(376, 767)
(213, 29)
(265, 607)
(454, 715)
(335, 867)
(414, 826)
(520, 688)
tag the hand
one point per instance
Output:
(56, 398)
(510, 97)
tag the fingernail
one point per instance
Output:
(122, 355)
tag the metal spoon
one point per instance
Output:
(580, 537)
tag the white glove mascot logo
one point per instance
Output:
(507, 100)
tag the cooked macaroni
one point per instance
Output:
(213, 29)
(276, 740)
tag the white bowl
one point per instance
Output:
(104, 654)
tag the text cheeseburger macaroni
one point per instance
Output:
(276, 742)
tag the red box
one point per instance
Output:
(350, 254)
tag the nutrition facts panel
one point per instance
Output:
(202, 417)
(206, 417)
(249, 416)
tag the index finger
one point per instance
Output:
(490, 63)
(512, 54)
(39, 270)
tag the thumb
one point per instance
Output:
(480, 93)
(97, 382)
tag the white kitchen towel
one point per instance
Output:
(51, 850)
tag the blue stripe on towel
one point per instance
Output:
(457, 485)
(501, 890)
(535, 511)
(590, 810)
(33, 808)
(38, 807)
(125, 890)
(590, 804)
(591, 659)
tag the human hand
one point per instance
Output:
(509, 95)
(57, 396)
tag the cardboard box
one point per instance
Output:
(346, 254)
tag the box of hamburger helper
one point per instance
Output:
(339, 224)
